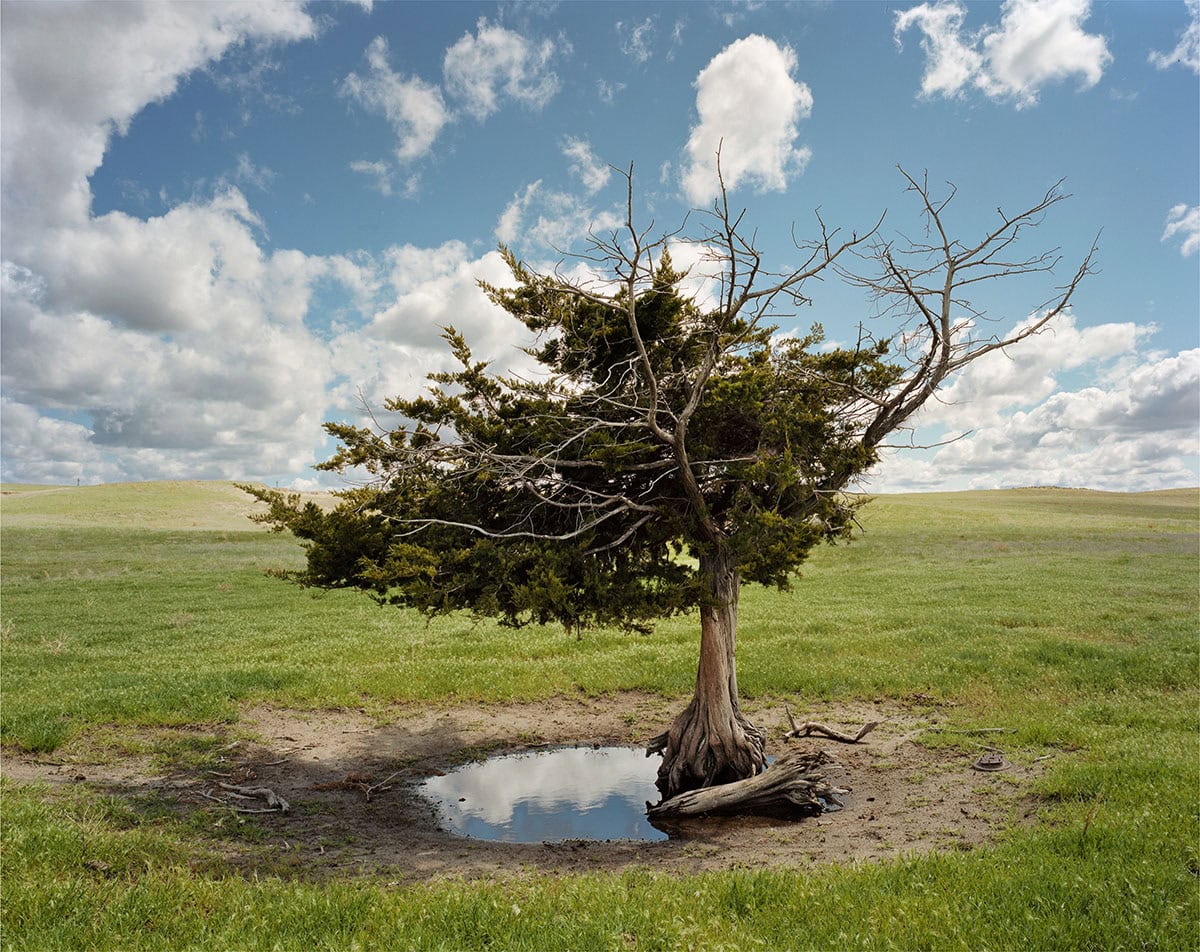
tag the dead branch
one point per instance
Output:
(274, 801)
(381, 786)
(809, 728)
(359, 782)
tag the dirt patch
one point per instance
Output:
(350, 782)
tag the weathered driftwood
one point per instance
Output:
(274, 801)
(794, 785)
(812, 727)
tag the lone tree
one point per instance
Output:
(673, 447)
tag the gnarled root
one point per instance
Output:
(707, 746)
(795, 785)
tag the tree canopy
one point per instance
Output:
(663, 425)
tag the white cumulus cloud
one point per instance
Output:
(749, 107)
(1036, 42)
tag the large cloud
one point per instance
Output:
(73, 73)
(141, 348)
(1036, 42)
(749, 106)
(1017, 423)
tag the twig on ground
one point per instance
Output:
(381, 786)
(812, 727)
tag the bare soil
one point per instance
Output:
(350, 782)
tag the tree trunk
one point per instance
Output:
(711, 742)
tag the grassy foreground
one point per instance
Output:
(1070, 617)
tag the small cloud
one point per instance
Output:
(735, 11)
(1184, 222)
(379, 171)
(496, 62)
(606, 90)
(509, 224)
(413, 107)
(1187, 50)
(558, 219)
(256, 176)
(676, 38)
(636, 39)
(593, 172)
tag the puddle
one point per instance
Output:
(571, 793)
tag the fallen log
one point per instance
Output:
(795, 785)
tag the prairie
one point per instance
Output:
(142, 632)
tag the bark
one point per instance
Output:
(711, 743)
(794, 786)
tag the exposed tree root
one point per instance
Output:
(706, 746)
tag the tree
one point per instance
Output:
(673, 447)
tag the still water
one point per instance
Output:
(572, 793)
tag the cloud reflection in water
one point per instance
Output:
(546, 796)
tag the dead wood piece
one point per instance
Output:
(812, 727)
(794, 785)
(274, 801)
(381, 786)
(359, 782)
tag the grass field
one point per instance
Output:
(1069, 617)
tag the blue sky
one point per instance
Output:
(225, 223)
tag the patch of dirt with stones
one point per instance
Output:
(350, 782)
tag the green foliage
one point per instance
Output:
(656, 432)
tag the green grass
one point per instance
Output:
(175, 505)
(1069, 617)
